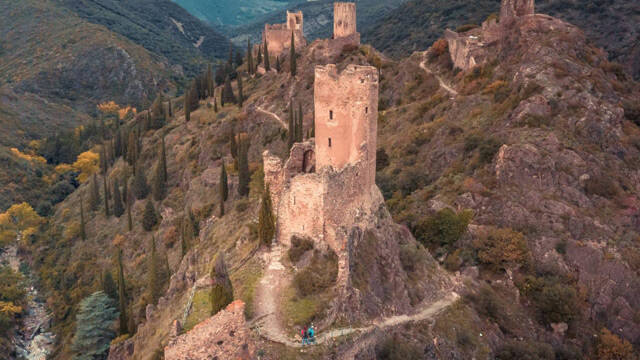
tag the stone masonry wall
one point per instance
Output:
(344, 19)
(278, 36)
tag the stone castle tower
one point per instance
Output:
(344, 19)
(327, 185)
(278, 36)
(346, 112)
(294, 20)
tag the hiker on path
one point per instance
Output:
(311, 333)
(305, 340)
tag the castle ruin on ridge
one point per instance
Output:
(472, 48)
(327, 185)
(278, 36)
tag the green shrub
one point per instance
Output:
(632, 111)
(319, 275)
(299, 246)
(444, 228)
(602, 186)
(557, 300)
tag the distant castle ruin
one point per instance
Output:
(470, 49)
(328, 183)
(278, 36)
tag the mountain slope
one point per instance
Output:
(161, 27)
(229, 12)
(613, 25)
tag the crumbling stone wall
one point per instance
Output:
(344, 19)
(278, 36)
(510, 9)
(222, 336)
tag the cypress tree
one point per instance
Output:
(243, 165)
(154, 276)
(163, 160)
(238, 59)
(83, 232)
(117, 146)
(249, 57)
(106, 196)
(222, 97)
(149, 216)
(118, 208)
(122, 298)
(132, 150)
(300, 127)
(224, 186)
(170, 110)
(221, 212)
(215, 102)
(259, 57)
(158, 115)
(240, 95)
(227, 94)
(103, 159)
(109, 285)
(313, 123)
(140, 186)
(94, 193)
(291, 132)
(293, 61)
(158, 185)
(184, 245)
(266, 219)
(129, 203)
(278, 63)
(233, 146)
(209, 80)
(187, 105)
(222, 290)
(267, 65)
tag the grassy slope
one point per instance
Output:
(613, 25)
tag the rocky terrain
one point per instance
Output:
(512, 183)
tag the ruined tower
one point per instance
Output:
(294, 20)
(346, 110)
(344, 19)
(278, 36)
(510, 9)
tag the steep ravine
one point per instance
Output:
(31, 338)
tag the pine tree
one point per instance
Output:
(154, 276)
(243, 165)
(94, 322)
(158, 186)
(222, 290)
(149, 216)
(187, 107)
(240, 95)
(227, 94)
(293, 61)
(266, 219)
(259, 57)
(291, 132)
(122, 298)
(94, 194)
(107, 196)
(249, 57)
(109, 285)
(83, 231)
(140, 186)
(267, 65)
(224, 183)
(278, 63)
(118, 208)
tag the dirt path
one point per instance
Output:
(443, 85)
(276, 277)
(284, 125)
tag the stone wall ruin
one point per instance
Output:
(278, 36)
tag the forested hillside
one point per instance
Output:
(229, 12)
(612, 24)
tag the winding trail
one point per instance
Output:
(273, 115)
(443, 85)
(276, 277)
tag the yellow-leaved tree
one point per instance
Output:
(86, 165)
(18, 219)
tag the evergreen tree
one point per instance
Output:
(291, 132)
(227, 94)
(109, 285)
(278, 63)
(154, 277)
(94, 322)
(183, 242)
(107, 196)
(313, 124)
(222, 290)
(163, 160)
(118, 208)
(267, 65)
(117, 148)
(243, 165)
(94, 193)
(158, 186)
(230, 59)
(221, 209)
(209, 80)
(293, 59)
(140, 186)
(240, 95)
(149, 216)
(215, 102)
(122, 298)
(103, 159)
(158, 115)
(300, 127)
(239, 60)
(187, 103)
(224, 185)
(266, 219)
(129, 217)
(249, 57)
(170, 109)
(259, 57)
(83, 231)
(222, 97)
(233, 146)
(132, 149)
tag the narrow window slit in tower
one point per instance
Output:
(330, 114)
(366, 110)
(329, 142)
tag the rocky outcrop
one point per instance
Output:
(222, 336)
